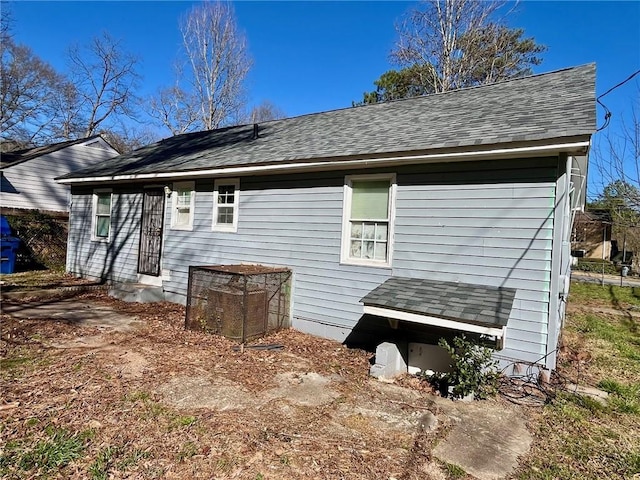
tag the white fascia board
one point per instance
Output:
(341, 164)
(498, 332)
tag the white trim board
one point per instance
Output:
(343, 164)
(499, 332)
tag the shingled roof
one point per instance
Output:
(463, 302)
(554, 105)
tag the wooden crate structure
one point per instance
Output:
(240, 302)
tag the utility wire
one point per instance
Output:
(607, 115)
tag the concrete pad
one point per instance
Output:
(82, 313)
(486, 438)
(309, 389)
(595, 393)
(199, 392)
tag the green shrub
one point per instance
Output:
(473, 370)
(595, 265)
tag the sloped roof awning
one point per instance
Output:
(457, 306)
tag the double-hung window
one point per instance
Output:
(182, 205)
(101, 221)
(367, 220)
(225, 205)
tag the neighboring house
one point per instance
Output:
(443, 213)
(28, 175)
(591, 236)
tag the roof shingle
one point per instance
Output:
(463, 302)
(547, 106)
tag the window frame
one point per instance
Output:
(191, 186)
(345, 257)
(94, 214)
(226, 227)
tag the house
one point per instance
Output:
(442, 213)
(28, 175)
(591, 237)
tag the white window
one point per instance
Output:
(367, 231)
(225, 205)
(182, 205)
(101, 219)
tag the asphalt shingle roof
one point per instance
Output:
(547, 106)
(463, 302)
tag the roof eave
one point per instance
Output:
(576, 145)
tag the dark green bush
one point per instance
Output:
(473, 370)
(595, 265)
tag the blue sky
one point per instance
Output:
(316, 56)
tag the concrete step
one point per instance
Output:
(137, 292)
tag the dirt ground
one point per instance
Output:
(185, 404)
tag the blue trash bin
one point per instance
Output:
(8, 247)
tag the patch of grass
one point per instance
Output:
(15, 362)
(56, 451)
(454, 471)
(137, 395)
(577, 436)
(613, 341)
(622, 398)
(182, 421)
(610, 295)
(99, 469)
(188, 450)
(112, 458)
(132, 458)
(19, 364)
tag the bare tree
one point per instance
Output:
(173, 109)
(218, 60)
(106, 78)
(265, 111)
(27, 87)
(616, 150)
(458, 43)
(615, 154)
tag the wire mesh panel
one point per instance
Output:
(241, 302)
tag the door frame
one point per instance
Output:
(142, 277)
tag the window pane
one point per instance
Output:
(356, 249)
(356, 230)
(381, 231)
(368, 231)
(225, 198)
(184, 198)
(367, 249)
(182, 216)
(381, 251)
(370, 199)
(103, 206)
(225, 215)
(102, 226)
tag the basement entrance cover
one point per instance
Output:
(458, 306)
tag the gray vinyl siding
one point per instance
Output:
(117, 259)
(488, 223)
(31, 184)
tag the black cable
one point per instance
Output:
(607, 115)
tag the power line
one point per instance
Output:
(607, 115)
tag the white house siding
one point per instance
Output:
(477, 222)
(31, 184)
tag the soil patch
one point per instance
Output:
(187, 405)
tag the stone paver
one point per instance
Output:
(80, 312)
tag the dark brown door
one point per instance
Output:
(151, 232)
